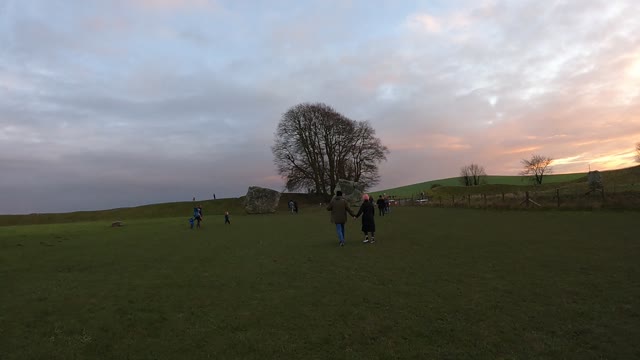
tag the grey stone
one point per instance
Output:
(261, 200)
(594, 180)
(352, 191)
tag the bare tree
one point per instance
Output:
(537, 166)
(360, 162)
(315, 146)
(638, 152)
(472, 175)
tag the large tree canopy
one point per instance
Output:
(315, 146)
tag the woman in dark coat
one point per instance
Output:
(368, 211)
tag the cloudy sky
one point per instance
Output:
(127, 102)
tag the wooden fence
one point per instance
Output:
(615, 196)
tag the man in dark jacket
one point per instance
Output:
(339, 208)
(368, 211)
(381, 205)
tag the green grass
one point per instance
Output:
(413, 190)
(496, 184)
(440, 283)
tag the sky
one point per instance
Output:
(119, 103)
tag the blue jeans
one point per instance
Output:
(340, 231)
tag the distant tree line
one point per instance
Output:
(536, 167)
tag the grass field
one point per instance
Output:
(439, 283)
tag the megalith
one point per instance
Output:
(261, 200)
(594, 180)
(351, 190)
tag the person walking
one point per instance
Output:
(368, 212)
(381, 206)
(197, 215)
(227, 220)
(339, 208)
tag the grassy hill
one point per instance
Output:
(415, 189)
(165, 210)
(185, 208)
(496, 183)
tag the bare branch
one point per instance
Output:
(472, 175)
(537, 166)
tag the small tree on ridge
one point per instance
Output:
(472, 175)
(537, 166)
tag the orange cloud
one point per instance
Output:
(522, 150)
(614, 161)
(433, 142)
(568, 160)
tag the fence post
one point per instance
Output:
(485, 199)
(558, 196)
(526, 198)
(453, 200)
(503, 196)
(440, 197)
(469, 199)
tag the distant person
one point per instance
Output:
(191, 221)
(381, 205)
(214, 196)
(290, 204)
(226, 218)
(194, 198)
(197, 215)
(368, 212)
(387, 204)
(295, 206)
(339, 208)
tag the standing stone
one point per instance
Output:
(594, 180)
(352, 191)
(261, 200)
